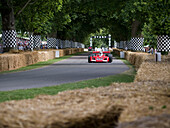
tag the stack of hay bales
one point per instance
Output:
(137, 58)
(145, 100)
(154, 72)
(88, 108)
(11, 61)
(160, 121)
(79, 109)
(117, 51)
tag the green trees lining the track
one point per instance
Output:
(77, 19)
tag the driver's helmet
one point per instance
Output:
(101, 52)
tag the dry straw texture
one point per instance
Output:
(152, 71)
(88, 108)
(161, 121)
(80, 109)
(141, 104)
(137, 58)
(10, 61)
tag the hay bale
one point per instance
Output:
(137, 58)
(161, 121)
(152, 71)
(15, 61)
(73, 50)
(90, 108)
(4, 63)
(68, 109)
(143, 99)
(11, 61)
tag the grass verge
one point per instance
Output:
(126, 77)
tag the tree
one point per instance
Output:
(32, 15)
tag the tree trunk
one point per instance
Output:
(135, 26)
(8, 25)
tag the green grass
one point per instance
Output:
(40, 64)
(127, 76)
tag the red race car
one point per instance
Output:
(97, 56)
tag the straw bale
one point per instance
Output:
(161, 121)
(66, 51)
(70, 51)
(31, 57)
(79, 109)
(3, 63)
(61, 52)
(9, 61)
(152, 71)
(74, 50)
(90, 108)
(137, 58)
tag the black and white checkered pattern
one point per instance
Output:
(64, 44)
(163, 43)
(137, 44)
(73, 44)
(61, 44)
(37, 41)
(51, 42)
(124, 44)
(121, 44)
(31, 42)
(115, 44)
(58, 42)
(128, 44)
(67, 44)
(9, 38)
(118, 44)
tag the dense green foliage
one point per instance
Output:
(77, 19)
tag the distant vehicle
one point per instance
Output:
(100, 56)
(89, 48)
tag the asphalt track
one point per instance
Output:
(69, 70)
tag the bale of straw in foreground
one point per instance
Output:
(89, 108)
(161, 121)
(80, 109)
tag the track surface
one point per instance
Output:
(69, 70)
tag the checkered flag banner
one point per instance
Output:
(121, 44)
(71, 43)
(67, 44)
(52, 42)
(128, 44)
(163, 43)
(118, 45)
(9, 38)
(31, 42)
(137, 44)
(37, 41)
(115, 44)
(124, 44)
(58, 42)
(64, 44)
(61, 44)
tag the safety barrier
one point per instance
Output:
(14, 61)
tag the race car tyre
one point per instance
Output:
(89, 60)
(110, 58)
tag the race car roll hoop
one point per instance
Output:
(100, 56)
(101, 37)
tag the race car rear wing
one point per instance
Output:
(103, 52)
